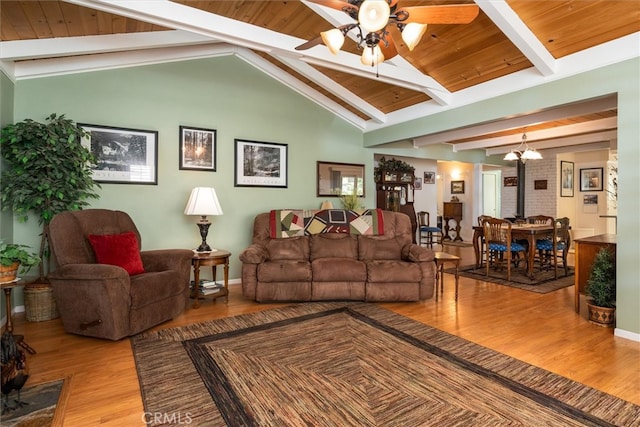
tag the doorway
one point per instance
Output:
(491, 193)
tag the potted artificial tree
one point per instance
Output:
(601, 289)
(14, 257)
(48, 171)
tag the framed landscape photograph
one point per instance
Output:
(566, 179)
(260, 164)
(197, 149)
(591, 179)
(124, 156)
(457, 187)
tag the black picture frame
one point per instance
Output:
(540, 184)
(566, 179)
(124, 155)
(510, 181)
(334, 179)
(197, 149)
(429, 177)
(591, 179)
(457, 187)
(260, 164)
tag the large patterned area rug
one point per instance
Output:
(351, 364)
(543, 283)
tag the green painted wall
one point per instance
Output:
(6, 220)
(241, 102)
(225, 94)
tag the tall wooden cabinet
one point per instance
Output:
(452, 215)
(395, 192)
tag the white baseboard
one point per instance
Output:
(633, 336)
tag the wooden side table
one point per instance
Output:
(213, 259)
(7, 287)
(441, 258)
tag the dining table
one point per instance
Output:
(529, 232)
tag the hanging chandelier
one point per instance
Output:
(523, 152)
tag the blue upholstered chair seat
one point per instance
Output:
(515, 247)
(547, 245)
(431, 229)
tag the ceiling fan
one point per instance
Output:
(379, 22)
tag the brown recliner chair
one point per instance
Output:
(103, 300)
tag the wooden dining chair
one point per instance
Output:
(426, 232)
(563, 242)
(498, 244)
(544, 246)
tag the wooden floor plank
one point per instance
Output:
(542, 330)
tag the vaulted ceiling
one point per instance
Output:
(511, 45)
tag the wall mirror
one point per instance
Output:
(339, 179)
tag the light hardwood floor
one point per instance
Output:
(542, 330)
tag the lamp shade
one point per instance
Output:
(372, 56)
(412, 33)
(333, 39)
(373, 15)
(203, 201)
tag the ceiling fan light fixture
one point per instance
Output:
(373, 15)
(333, 39)
(372, 56)
(412, 33)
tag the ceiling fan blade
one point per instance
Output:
(343, 6)
(311, 43)
(388, 49)
(453, 14)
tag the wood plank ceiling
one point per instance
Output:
(508, 38)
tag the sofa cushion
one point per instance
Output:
(393, 271)
(118, 249)
(284, 271)
(338, 270)
(294, 248)
(333, 246)
(371, 248)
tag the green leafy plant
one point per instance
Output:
(601, 286)
(11, 253)
(48, 171)
(391, 165)
(350, 201)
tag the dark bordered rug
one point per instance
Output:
(351, 364)
(544, 282)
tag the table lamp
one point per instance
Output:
(203, 201)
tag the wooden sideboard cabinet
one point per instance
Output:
(452, 211)
(586, 250)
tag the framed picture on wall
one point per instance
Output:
(457, 187)
(429, 177)
(591, 179)
(260, 164)
(197, 149)
(566, 179)
(124, 156)
(418, 184)
(510, 181)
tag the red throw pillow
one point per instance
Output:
(118, 249)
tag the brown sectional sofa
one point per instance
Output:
(386, 267)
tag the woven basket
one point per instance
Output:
(39, 303)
